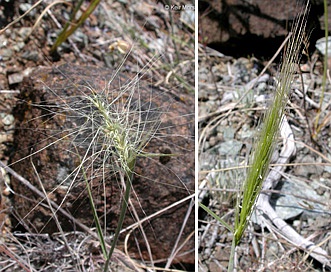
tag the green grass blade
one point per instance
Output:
(124, 207)
(94, 211)
(73, 24)
(219, 219)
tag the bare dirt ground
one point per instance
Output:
(163, 40)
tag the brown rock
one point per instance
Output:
(225, 19)
(251, 27)
(43, 118)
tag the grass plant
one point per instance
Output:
(105, 131)
(114, 130)
(125, 129)
(108, 131)
(267, 138)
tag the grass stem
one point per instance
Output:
(124, 206)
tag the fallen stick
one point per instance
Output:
(266, 213)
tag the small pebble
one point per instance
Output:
(6, 54)
(15, 78)
(31, 55)
(8, 119)
(24, 32)
(24, 7)
(3, 138)
(6, 192)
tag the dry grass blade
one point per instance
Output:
(6, 251)
(44, 12)
(19, 18)
(39, 193)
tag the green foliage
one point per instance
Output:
(123, 128)
(219, 219)
(269, 132)
(267, 138)
(71, 26)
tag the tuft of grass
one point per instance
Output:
(267, 138)
(110, 130)
(105, 131)
(124, 129)
(119, 127)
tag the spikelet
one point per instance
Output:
(271, 125)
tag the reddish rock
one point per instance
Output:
(157, 182)
(238, 25)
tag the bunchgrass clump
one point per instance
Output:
(80, 149)
(121, 126)
(103, 131)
